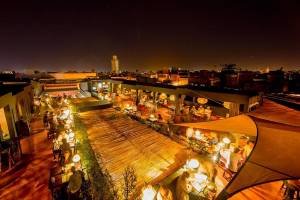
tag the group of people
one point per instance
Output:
(59, 131)
(57, 122)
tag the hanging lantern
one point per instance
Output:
(202, 100)
(148, 193)
(189, 132)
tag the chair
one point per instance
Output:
(228, 174)
(291, 190)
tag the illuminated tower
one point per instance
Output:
(115, 64)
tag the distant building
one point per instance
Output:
(115, 64)
(275, 80)
(72, 75)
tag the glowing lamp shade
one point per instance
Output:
(202, 100)
(67, 137)
(148, 193)
(76, 158)
(158, 196)
(59, 138)
(198, 135)
(163, 96)
(189, 132)
(226, 140)
(67, 112)
(193, 164)
(172, 97)
(151, 116)
(214, 158)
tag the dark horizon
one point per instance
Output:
(150, 35)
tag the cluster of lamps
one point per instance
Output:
(70, 134)
(190, 133)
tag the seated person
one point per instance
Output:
(193, 110)
(247, 149)
(56, 148)
(164, 193)
(160, 118)
(75, 183)
(183, 186)
(234, 160)
(66, 151)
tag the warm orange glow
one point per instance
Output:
(73, 75)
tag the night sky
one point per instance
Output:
(150, 34)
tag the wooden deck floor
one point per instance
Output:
(30, 181)
(123, 142)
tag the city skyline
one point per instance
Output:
(150, 100)
(150, 35)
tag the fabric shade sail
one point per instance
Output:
(241, 124)
(275, 155)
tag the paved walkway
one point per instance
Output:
(30, 181)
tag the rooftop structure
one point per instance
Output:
(115, 64)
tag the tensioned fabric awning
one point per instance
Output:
(275, 155)
(241, 124)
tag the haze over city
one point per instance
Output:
(149, 35)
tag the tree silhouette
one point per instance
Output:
(129, 183)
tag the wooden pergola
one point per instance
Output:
(122, 142)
